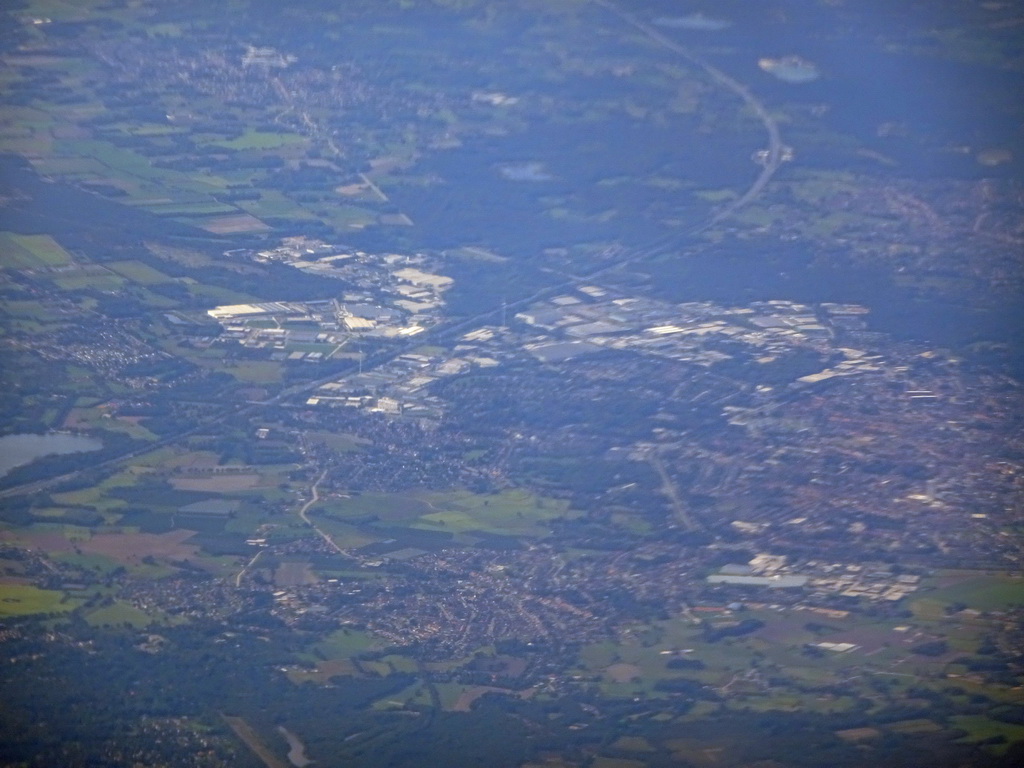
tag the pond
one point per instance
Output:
(296, 749)
(18, 450)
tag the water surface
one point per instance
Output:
(18, 450)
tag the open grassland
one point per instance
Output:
(31, 251)
(96, 418)
(294, 574)
(22, 600)
(276, 204)
(247, 371)
(119, 614)
(339, 442)
(509, 513)
(980, 728)
(346, 643)
(322, 673)
(653, 658)
(131, 549)
(138, 272)
(92, 278)
(235, 223)
(202, 208)
(172, 458)
(212, 295)
(411, 695)
(253, 139)
(28, 309)
(344, 535)
(388, 507)
(217, 483)
(348, 217)
(98, 495)
(987, 592)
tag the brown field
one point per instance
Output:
(693, 752)
(789, 632)
(859, 734)
(216, 484)
(294, 575)
(17, 581)
(227, 225)
(514, 666)
(131, 548)
(919, 725)
(623, 673)
(48, 542)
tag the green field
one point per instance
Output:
(70, 166)
(98, 280)
(343, 534)
(346, 643)
(261, 140)
(138, 272)
(348, 216)
(338, 441)
(640, 660)
(509, 513)
(34, 310)
(984, 593)
(253, 371)
(191, 209)
(118, 614)
(136, 175)
(31, 252)
(388, 507)
(22, 600)
(979, 728)
(97, 496)
(273, 203)
(217, 295)
(95, 418)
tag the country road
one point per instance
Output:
(314, 497)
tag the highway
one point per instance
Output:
(449, 331)
(771, 126)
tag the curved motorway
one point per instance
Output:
(771, 126)
(772, 162)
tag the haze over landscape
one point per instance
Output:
(528, 383)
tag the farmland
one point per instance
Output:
(31, 251)
(512, 513)
(23, 599)
(510, 384)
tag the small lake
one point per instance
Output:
(18, 450)
(296, 749)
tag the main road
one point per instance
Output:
(773, 160)
(771, 126)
